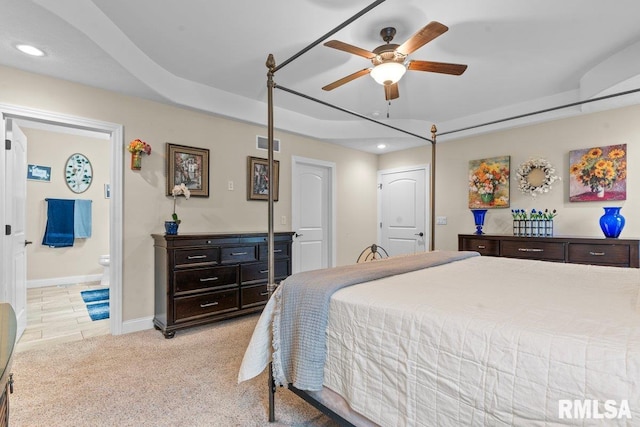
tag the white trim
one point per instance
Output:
(297, 160)
(116, 134)
(137, 325)
(427, 211)
(61, 281)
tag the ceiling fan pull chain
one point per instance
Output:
(388, 108)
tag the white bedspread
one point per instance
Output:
(487, 341)
(484, 341)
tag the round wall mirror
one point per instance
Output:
(536, 176)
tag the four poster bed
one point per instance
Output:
(450, 338)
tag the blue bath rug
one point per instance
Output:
(95, 295)
(99, 310)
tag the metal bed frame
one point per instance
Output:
(271, 85)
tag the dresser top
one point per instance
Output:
(590, 239)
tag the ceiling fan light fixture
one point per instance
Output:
(388, 73)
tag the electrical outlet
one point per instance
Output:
(283, 220)
(441, 220)
(230, 185)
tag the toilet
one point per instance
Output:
(104, 261)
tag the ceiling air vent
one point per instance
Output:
(262, 143)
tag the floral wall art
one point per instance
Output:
(598, 174)
(489, 183)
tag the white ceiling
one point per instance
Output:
(523, 56)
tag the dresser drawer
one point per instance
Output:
(254, 295)
(484, 246)
(280, 250)
(238, 254)
(185, 257)
(198, 279)
(259, 271)
(202, 305)
(548, 251)
(609, 254)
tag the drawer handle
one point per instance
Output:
(264, 271)
(208, 279)
(482, 247)
(196, 256)
(530, 250)
(238, 253)
(597, 253)
(277, 250)
(211, 304)
(264, 294)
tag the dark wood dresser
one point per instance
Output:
(574, 250)
(8, 330)
(202, 278)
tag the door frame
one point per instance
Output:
(427, 212)
(116, 138)
(296, 161)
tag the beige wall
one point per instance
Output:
(53, 149)
(145, 205)
(551, 141)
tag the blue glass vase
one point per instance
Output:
(478, 217)
(611, 222)
(171, 228)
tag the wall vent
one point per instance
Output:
(262, 143)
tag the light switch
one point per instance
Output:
(230, 185)
(441, 220)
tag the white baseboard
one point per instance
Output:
(59, 281)
(136, 325)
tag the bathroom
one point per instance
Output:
(56, 276)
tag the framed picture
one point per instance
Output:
(39, 173)
(598, 174)
(489, 183)
(188, 165)
(258, 179)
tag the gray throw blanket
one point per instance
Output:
(302, 308)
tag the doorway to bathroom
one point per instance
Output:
(65, 273)
(108, 225)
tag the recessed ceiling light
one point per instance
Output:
(382, 146)
(29, 50)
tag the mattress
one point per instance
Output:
(489, 341)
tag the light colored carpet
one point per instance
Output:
(143, 379)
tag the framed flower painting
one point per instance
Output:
(489, 183)
(598, 174)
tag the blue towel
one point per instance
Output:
(82, 219)
(59, 230)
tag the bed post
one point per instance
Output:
(432, 193)
(271, 65)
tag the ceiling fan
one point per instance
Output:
(390, 61)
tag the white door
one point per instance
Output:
(15, 202)
(312, 218)
(403, 225)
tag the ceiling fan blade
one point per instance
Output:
(429, 32)
(437, 67)
(347, 79)
(391, 92)
(350, 49)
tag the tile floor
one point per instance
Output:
(57, 314)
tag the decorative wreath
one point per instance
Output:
(525, 169)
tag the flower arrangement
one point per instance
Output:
(521, 214)
(177, 191)
(524, 180)
(138, 146)
(598, 171)
(486, 178)
(536, 223)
